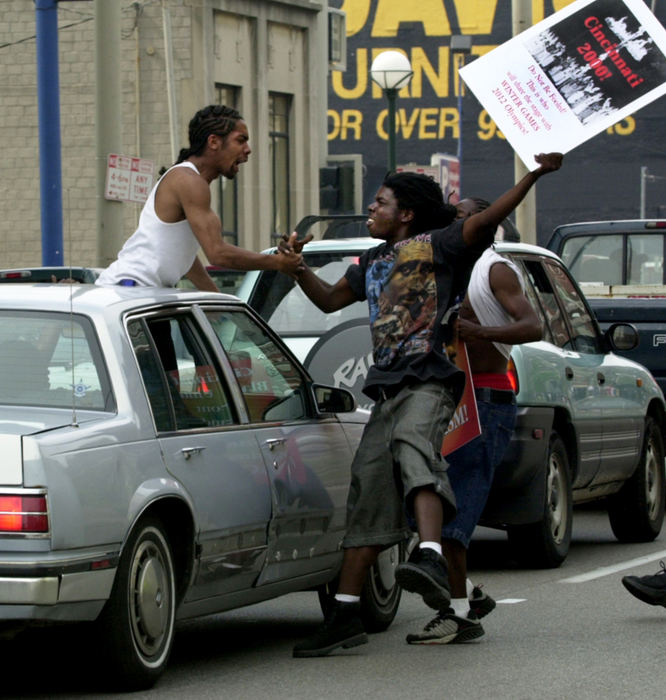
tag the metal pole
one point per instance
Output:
(521, 14)
(108, 134)
(50, 166)
(170, 80)
(391, 96)
(460, 123)
(644, 172)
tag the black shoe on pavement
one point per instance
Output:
(481, 603)
(342, 628)
(649, 589)
(448, 628)
(426, 573)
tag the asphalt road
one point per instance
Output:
(572, 632)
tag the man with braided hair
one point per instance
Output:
(410, 280)
(177, 218)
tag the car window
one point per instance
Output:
(584, 331)
(645, 259)
(594, 258)
(531, 294)
(283, 305)
(183, 384)
(555, 324)
(51, 360)
(272, 386)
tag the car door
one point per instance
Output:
(307, 455)
(621, 411)
(576, 359)
(214, 457)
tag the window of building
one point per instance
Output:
(279, 106)
(228, 189)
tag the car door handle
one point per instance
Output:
(568, 373)
(188, 452)
(274, 442)
(601, 378)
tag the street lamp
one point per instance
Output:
(461, 46)
(391, 70)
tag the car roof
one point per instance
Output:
(93, 299)
(603, 228)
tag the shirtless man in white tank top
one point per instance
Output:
(177, 218)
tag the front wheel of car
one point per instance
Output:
(545, 544)
(636, 511)
(137, 624)
(380, 597)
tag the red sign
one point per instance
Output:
(464, 425)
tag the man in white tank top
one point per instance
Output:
(177, 218)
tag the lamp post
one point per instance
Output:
(461, 46)
(391, 70)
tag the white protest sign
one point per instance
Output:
(572, 75)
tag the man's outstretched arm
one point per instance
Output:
(327, 297)
(479, 228)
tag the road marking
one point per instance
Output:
(608, 570)
(511, 601)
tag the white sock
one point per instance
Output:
(431, 545)
(460, 606)
(470, 588)
(344, 598)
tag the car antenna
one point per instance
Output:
(75, 422)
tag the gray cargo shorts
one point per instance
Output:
(400, 451)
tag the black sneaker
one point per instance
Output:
(448, 628)
(426, 573)
(649, 589)
(342, 628)
(481, 603)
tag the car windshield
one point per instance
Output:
(51, 359)
(284, 306)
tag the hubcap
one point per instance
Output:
(151, 598)
(556, 499)
(652, 480)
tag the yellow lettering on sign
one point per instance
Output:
(362, 78)
(428, 123)
(623, 128)
(406, 123)
(357, 15)
(476, 16)
(392, 13)
(438, 77)
(449, 119)
(350, 121)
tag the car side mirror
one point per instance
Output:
(332, 399)
(622, 336)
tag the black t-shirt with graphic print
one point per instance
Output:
(409, 287)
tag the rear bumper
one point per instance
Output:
(518, 490)
(55, 589)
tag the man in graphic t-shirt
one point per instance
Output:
(409, 280)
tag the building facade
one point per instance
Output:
(266, 58)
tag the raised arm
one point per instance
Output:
(327, 297)
(194, 196)
(479, 228)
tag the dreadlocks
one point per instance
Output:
(424, 197)
(214, 119)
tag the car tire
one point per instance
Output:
(545, 544)
(380, 597)
(636, 511)
(137, 624)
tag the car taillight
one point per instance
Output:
(23, 514)
(513, 376)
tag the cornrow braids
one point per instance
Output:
(424, 197)
(214, 119)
